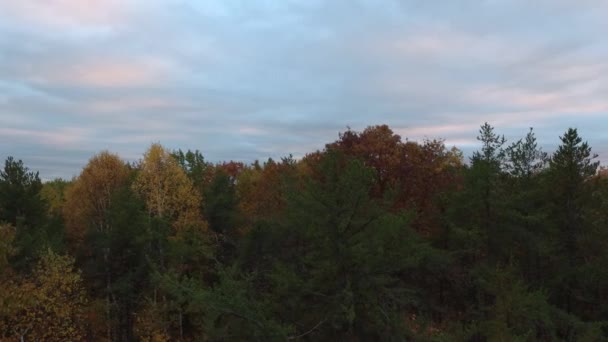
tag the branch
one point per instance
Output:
(309, 331)
(236, 314)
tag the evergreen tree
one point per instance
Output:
(345, 265)
(221, 211)
(22, 207)
(571, 168)
(525, 215)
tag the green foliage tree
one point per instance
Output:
(20, 203)
(117, 266)
(570, 170)
(486, 172)
(525, 215)
(592, 274)
(195, 166)
(340, 262)
(22, 206)
(474, 217)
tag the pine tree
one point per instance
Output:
(571, 168)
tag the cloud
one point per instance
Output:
(70, 138)
(247, 80)
(65, 14)
(102, 74)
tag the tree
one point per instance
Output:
(180, 237)
(428, 171)
(525, 217)
(339, 262)
(485, 180)
(8, 301)
(22, 206)
(20, 203)
(222, 212)
(194, 164)
(525, 159)
(230, 310)
(261, 191)
(571, 166)
(199, 171)
(89, 198)
(7, 250)
(86, 212)
(378, 147)
(167, 191)
(419, 173)
(591, 270)
(570, 169)
(53, 193)
(50, 305)
(221, 204)
(371, 238)
(122, 252)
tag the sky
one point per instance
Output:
(246, 80)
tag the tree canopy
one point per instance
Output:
(372, 238)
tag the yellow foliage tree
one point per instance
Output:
(7, 235)
(170, 196)
(48, 306)
(7, 298)
(167, 190)
(149, 325)
(53, 193)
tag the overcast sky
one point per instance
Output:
(249, 80)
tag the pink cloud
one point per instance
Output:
(585, 70)
(110, 75)
(531, 104)
(134, 103)
(65, 14)
(436, 131)
(440, 42)
(99, 73)
(512, 96)
(69, 138)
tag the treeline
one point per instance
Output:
(372, 238)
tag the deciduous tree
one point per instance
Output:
(167, 191)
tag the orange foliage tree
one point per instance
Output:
(87, 204)
(260, 192)
(88, 199)
(418, 173)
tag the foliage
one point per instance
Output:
(168, 192)
(374, 237)
(89, 197)
(22, 207)
(48, 306)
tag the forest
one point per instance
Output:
(373, 238)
